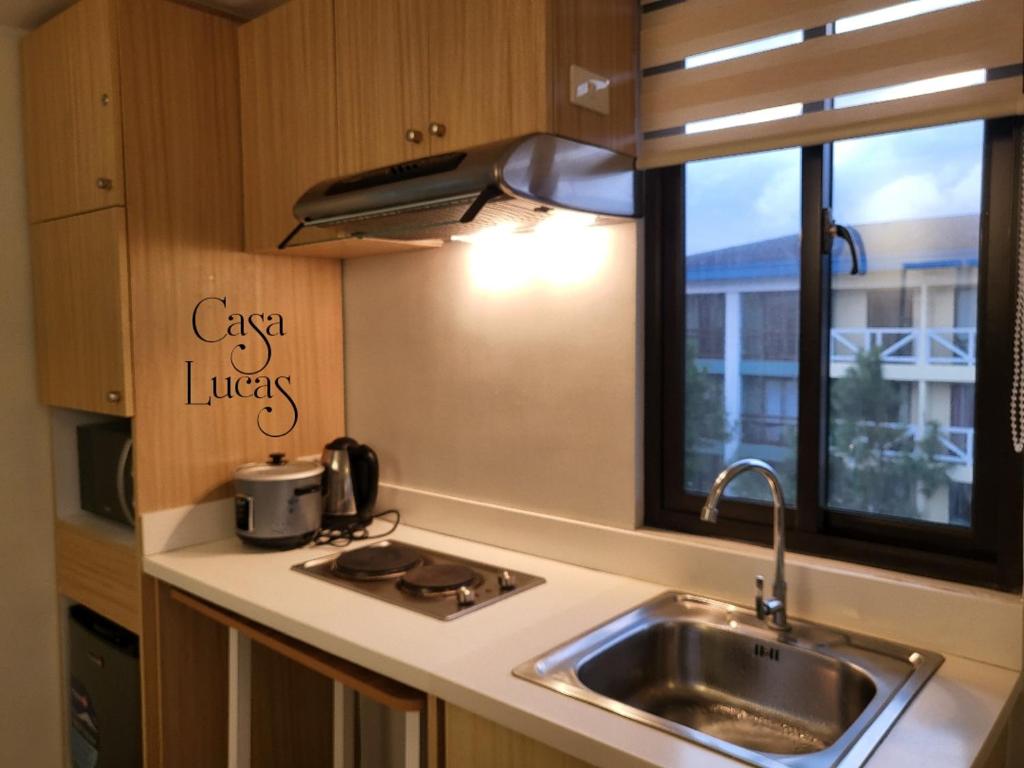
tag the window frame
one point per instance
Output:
(989, 552)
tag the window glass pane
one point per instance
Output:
(745, 49)
(894, 13)
(742, 318)
(903, 338)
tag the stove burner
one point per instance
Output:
(378, 562)
(439, 579)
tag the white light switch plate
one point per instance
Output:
(590, 90)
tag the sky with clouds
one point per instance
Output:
(924, 173)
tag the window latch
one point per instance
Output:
(830, 230)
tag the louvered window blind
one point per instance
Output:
(724, 77)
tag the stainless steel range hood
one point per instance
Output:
(516, 183)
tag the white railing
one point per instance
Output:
(955, 346)
(956, 443)
(907, 346)
(959, 445)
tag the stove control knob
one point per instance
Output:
(465, 597)
(506, 580)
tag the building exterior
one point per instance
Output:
(915, 304)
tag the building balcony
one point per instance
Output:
(767, 430)
(907, 346)
(956, 444)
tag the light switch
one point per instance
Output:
(590, 90)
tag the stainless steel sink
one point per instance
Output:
(713, 673)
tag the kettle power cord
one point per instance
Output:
(338, 538)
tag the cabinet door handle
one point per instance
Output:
(414, 136)
(113, 396)
(438, 129)
(104, 183)
(105, 100)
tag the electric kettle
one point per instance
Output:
(351, 474)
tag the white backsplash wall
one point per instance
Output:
(502, 372)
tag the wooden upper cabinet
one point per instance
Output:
(488, 71)
(383, 86)
(289, 107)
(338, 87)
(80, 277)
(72, 113)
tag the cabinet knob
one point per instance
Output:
(113, 396)
(414, 136)
(104, 183)
(438, 129)
(105, 99)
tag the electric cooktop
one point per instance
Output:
(422, 580)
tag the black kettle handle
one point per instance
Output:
(364, 454)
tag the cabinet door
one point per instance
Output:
(489, 77)
(289, 113)
(80, 274)
(382, 82)
(72, 113)
(471, 741)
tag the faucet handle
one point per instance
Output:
(759, 598)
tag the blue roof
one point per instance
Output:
(941, 243)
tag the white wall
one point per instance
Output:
(29, 711)
(503, 374)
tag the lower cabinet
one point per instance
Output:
(472, 742)
(224, 690)
(291, 714)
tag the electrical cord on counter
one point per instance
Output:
(338, 538)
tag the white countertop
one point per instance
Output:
(468, 661)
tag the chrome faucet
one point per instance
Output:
(772, 609)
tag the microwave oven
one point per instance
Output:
(105, 470)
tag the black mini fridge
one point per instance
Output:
(105, 706)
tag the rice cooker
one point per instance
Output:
(278, 503)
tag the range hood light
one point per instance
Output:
(566, 223)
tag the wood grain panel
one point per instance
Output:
(72, 136)
(975, 36)
(193, 669)
(489, 77)
(472, 742)
(289, 114)
(599, 35)
(149, 665)
(995, 99)
(183, 169)
(292, 713)
(383, 92)
(435, 732)
(80, 283)
(100, 572)
(672, 33)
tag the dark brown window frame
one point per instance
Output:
(989, 553)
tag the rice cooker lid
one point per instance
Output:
(276, 469)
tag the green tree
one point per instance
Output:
(874, 465)
(750, 486)
(705, 429)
